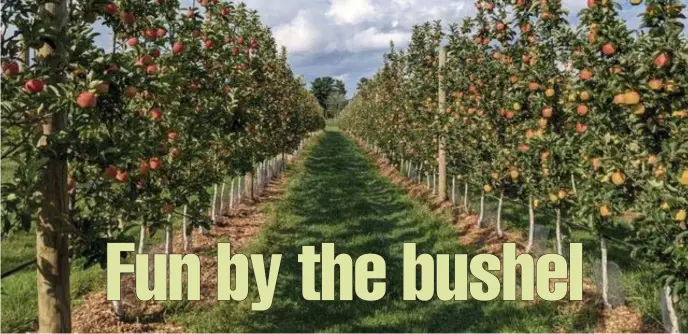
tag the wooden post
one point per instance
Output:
(52, 239)
(442, 154)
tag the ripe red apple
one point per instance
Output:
(161, 32)
(168, 208)
(155, 163)
(155, 114)
(110, 8)
(608, 49)
(547, 112)
(208, 43)
(178, 47)
(122, 176)
(662, 60)
(155, 53)
(582, 109)
(225, 11)
(152, 69)
(127, 18)
(581, 128)
(591, 3)
(133, 41)
(150, 34)
(171, 135)
(110, 172)
(585, 75)
(10, 68)
(34, 86)
(146, 60)
(140, 184)
(144, 168)
(86, 100)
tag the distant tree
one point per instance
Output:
(336, 102)
(324, 86)
(361, 83)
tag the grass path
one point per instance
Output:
(339, 196)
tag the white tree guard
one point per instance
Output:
(670, 317)
(609, 282)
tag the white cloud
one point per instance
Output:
(349, 12)
(373, 39)
(299, 35)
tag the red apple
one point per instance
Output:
(155, 114)
(34, 86)
(127, 18)
(155, 163)
(110, 8)
(110, 172)
(10, 68)
(662, 60)
(178, 47)
(122, 176)
(86, 100)
(133, 41)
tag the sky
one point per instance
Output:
(345, 39)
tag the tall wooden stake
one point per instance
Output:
(52, 240)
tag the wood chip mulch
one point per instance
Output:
(238, 226)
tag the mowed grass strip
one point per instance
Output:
(338, 196)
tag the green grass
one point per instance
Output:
(338, 196)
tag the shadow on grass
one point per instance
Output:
(339, 197)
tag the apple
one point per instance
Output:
(547, 112)
(86, 100)
(150, 34)
(111, 8)
(10, 68)
(122, 176)
(155, 53)
(662, 60)
(631, 98)
(127, 17)
(605, 211)
(618, 178)
(155, 163)
(585, 75)
(110, 172)
(581, 128)
(168, 208)
(34, 86)
(684, 177)
(656, 84)
(155, 114)
(133, 41)
(175, 152)
(144, 168)
(152, 69)
(178, 47)
(608, 49)
(146, 60)
(172, 135)
(130, 91)
(161, 32)
(208, 43)
(582, 109)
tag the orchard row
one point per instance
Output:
(590, 122)
(108, 140)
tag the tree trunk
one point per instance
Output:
(52, 240)
(531, 224)
(500, 233)
(249, 186)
